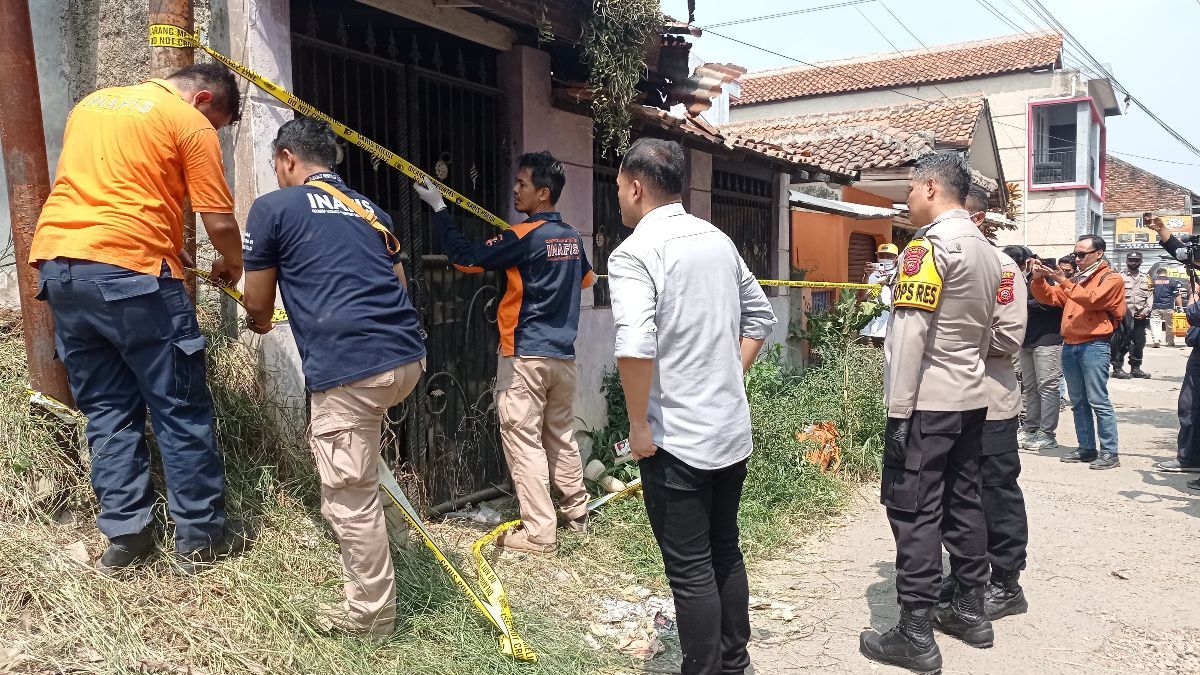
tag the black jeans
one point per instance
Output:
(1189, 412)
(932, 500)
(693, 513)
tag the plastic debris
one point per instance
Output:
(484, 514)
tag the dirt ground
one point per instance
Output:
(1114, 560)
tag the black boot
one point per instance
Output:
(1136, 371)
(909, 645)
(125, 551)
(964, 618)
(236, 540)
(947, 593)
(1004, 596)
(1118, 373)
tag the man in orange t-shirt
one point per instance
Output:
(108, 249)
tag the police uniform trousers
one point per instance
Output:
(1003, 502)
(130, 342)
(934, 500)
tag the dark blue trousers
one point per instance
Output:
(130, 341)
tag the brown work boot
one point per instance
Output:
(577, 525)
(518, 541)
(334, 619)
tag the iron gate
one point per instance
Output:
(608, 230)
(434, 103)
(743, 208)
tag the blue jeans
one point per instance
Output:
(1086, 367)
(131, 341)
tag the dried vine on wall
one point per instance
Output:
(615, 39)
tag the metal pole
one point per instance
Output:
(23, 141)
(163, 62)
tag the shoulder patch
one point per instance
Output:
(1005, 294)
(919, 285)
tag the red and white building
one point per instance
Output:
(1048, 119)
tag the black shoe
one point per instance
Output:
(947, 593)
(1080, 456)
(237, 539)
(1120, 374)
(1106, 461)
(125, 551)
(909, 645)
(1136, 371)
(1193, 484)
(1003, 595)
(964, 618)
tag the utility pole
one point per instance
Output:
(163, 62)
(23, 142)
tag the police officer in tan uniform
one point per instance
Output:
(937, 401)
(1000, 463)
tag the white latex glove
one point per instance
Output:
(429, 194)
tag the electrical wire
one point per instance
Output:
(1038, 8)
(881, 33)
(909, 31)
(853, 80)
(848, 3)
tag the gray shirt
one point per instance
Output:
(682, 296)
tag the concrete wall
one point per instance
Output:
(1052, 217)
(267, 49)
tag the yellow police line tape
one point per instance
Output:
(166, 35)
(279, 315)
(55, 407)
(874, 288)
(494, 601)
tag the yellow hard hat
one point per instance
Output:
(888, 248)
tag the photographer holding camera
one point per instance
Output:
(1189, 392)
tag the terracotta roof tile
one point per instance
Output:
(870, 138)
(1014, 53)
(699, 129)
(1130, 189)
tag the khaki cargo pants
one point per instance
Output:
(345, 435)
(534, 398)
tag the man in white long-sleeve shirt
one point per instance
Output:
(690, 319)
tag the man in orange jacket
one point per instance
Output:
(1093, 303)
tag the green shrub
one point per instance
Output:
(784, 493)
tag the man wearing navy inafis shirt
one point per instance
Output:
(545, 266)
(338, 266)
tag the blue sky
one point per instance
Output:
(1144, 42)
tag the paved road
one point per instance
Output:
(1112, 577)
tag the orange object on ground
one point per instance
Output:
(1179, 324)
(826, 455)
(130, 156)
